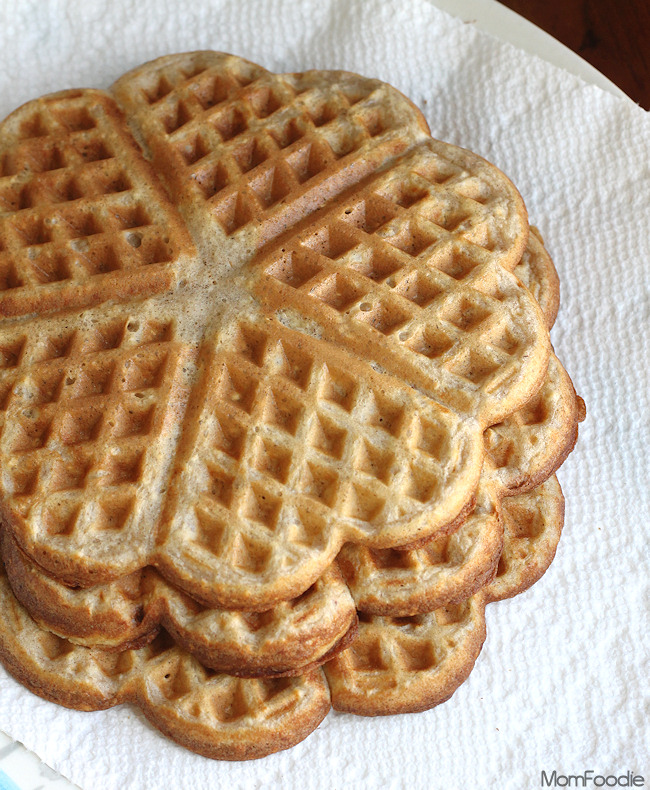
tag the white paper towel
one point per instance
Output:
(562, 681)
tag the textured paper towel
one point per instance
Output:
(562, 680)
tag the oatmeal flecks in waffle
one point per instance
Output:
(336, 294)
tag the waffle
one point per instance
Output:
(267, 317)
(247, 319)
(410, 664)
(521, 453)
(395, 665)
(128, 614)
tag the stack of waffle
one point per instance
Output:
(279, 409)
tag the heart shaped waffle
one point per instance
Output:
(521, 453)
(298, 633)
(285, 331)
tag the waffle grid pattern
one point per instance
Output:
(529, 444)
(84, 411)
(532, 526)
(408, 268)
(242, 140)
(406, 664)
(521, 452)
(296, 454)
(393, 645)
(390, 582)
(74, 208)
(237, 443)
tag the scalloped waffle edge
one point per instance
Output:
(410, 664)
(400, 665)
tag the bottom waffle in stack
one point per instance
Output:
(236, 685)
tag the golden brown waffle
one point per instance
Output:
(88, 424)
(252, 319)
(126, 614)
(217, 715)
(289, 469)
(342, 266)
(521, 452)
(400, 664)
(428, 229)
(257, 151)
(529, 446)
(396, 664)
(532, 524)
(408, 664)
(537, 272)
